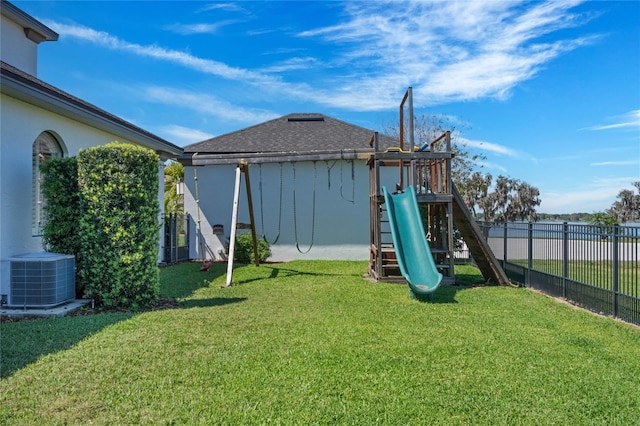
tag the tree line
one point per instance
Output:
(625, 209)
(505, 199)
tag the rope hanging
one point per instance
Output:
(329, 172)
(353, 180)
(262, 210)
(353, 184)
(313, 216)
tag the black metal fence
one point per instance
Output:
(176, 238)
(596, 267)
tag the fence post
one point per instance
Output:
(527, 279)
(504, 248)
(615, 265)
(176, 236)
(187, 232)
(164, 237)
(565, 257)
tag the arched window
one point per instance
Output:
(45, 147)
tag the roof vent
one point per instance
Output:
(312, 118)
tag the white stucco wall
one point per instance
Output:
(20, 125)
(16, 48)
(341, 226)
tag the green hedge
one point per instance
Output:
(63, 210)
(119, 224)
(243, 252)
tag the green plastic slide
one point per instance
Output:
(412, 249)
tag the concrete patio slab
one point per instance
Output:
(57, 311)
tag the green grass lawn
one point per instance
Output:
(597, 273)
(315, 343)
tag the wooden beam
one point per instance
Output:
(480, 250)
(204, 159)
(256, 257)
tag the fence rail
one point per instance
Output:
(595, 267)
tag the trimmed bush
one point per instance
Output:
(119, 225)
(63, 210)
(244, 248)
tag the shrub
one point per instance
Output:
(119, 225)
(244, 248)
(63, 210)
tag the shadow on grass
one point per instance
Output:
(445, 294)
(24, 342)
(184, 279)
(207, 303)
(278, 270)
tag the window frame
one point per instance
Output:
(45, 147)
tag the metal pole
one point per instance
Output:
(527, 281)
(234, 224)
(504, 248)
(565, 258)
(616, 273)
(174, 237)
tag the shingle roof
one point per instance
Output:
(21, 85)
(297, 133)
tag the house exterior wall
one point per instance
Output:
(16, 48)
(341, 209)
(20, 125)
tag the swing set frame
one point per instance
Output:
(242, 168)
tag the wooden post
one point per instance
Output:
(256, 257)
(234, 223)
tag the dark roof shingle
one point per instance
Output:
(298, 132)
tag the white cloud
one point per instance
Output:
(617, 163)
(488, 146)
(266, 83)
(202, 28)
(630, 119)
(207, 104)
(228, 7)
(587, 201)
(206, 66)
(492, 166)
(292, 64)
(446, 50)
(597, 195)
(468, 50)
(183, 135)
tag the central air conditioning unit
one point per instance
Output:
(42, 280)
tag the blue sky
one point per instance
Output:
(548, 91)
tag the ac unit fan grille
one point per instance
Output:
(42, 280)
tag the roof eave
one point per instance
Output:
(34, 30)
(33, 94)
